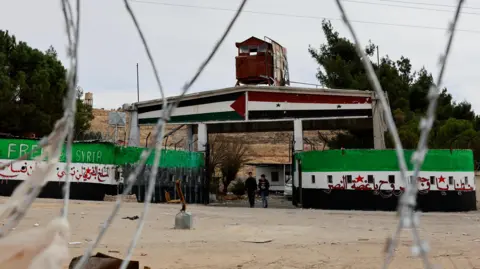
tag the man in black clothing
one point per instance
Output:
(251, 188)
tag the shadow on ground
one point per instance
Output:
(274, 201)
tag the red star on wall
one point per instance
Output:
(359, 178)
(441, 179)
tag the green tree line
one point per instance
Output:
(456, 125)
(32, 87)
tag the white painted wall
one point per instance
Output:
(319, 180)
(79, 172)
(267, 171)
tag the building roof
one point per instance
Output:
(285, 89)
(250, 39)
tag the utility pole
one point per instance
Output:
(138, 87)
(378, 58)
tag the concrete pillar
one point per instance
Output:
(202, 135)
(379, 124)
(134, 137)
(189, 143)
(297, 135)
(202, 140)
(297, 177)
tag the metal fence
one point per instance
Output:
(192, 183)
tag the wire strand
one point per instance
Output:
(159, 138)
(428, 4)
(25, 194)
(425, 27)
(408, 217)
(159, 131)
(62, 134)
(410, 7)
(70, 105)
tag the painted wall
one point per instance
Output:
(428, 181)
(383, 160)
(102, 153)
(91, 162)
(267, 171)
(79, 172)
(443, 170)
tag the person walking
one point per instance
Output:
(251, 188)
(264, 187)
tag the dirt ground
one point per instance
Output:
(300, 238)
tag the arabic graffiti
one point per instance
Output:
(85, 173)
(387, 189)
(88, 173)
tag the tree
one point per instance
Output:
(32, 88)
(233, 159)
(218, 145)
(228, 155)
(456, 124)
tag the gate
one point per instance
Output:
(192, 182)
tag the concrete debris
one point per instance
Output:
(126, 198)
(102, 261)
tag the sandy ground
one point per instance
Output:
(301, 238)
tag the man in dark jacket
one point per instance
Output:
(251, 188)
(264, 187)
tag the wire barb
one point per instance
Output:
(25, 194)
(73, 33)
(407, 203)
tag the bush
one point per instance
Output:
(239, 187)
(214, 185)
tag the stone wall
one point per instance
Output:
(268, 147)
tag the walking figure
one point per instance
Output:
(251, 188)
(264, 186)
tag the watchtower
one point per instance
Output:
(261, 62)
(89, 99)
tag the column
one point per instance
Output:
(189, 142)
(297, 197)
(202, 136)
(379, 124)
(134, 137)
(202, 140)
(297, 135)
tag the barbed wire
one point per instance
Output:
(158, 133)
(22, 198)
(73, 33)
(25, 194)
(408, 217)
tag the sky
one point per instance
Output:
(181, 33)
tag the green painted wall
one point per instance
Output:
(102, 153)
(383, 160)
(169, 158)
